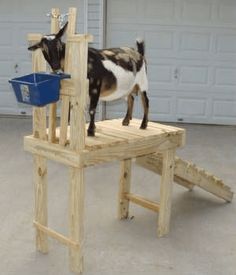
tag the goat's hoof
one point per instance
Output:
(125, 122)
(143, 126)
(91, 133)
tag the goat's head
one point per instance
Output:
(52, 48)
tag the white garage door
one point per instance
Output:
(191, 53)
(17, 18)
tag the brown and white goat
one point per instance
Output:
(113, 73)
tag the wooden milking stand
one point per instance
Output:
(154, 149)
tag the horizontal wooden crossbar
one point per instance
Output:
(142, 202)
(80, 37)
(104, 147)
(55, 235)
(52, 151)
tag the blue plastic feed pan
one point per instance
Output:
(38, 89)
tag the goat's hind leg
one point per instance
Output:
(130, 105)
(145, 102)
(94, 97)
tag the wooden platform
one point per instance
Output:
(112, 142)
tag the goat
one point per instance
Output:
(113, 73)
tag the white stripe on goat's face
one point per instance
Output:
(49, 36)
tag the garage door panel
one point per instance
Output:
(160, 39)
(6, 99)
(194, 75)
(123, 38)
(196, 11)
(160, 73)
(227, 11)
(195, 41)
(226, 43)
(196, 107)
(225, 76)
(6, 34)
(160, 105)
(21, 32)
(25, 67)
(224, 108)
(155, 11)
(122, 11)
(5, 67)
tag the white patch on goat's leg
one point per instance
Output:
(94, 91)
(141, 78)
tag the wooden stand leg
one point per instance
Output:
(76, 216)
(125, 177)
(166, 192)
(41, 215)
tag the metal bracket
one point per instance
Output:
(61, 17)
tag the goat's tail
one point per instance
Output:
(140, 46)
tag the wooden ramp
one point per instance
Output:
(188, 175)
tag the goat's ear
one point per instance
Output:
(35, 47)
(61, 31)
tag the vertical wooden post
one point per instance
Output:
(65, 100)
(40, 165)
(125, 179)
(166, 192)
(78, 45)
(53, 107)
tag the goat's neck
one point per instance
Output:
(63, 53)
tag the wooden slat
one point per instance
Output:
(80, 37)
(55, 235)
(156, 125)
(34, 37)
(65, 108)
(143, 202)
(155, 165)
(40, 163)
(68, 67)
(102, 140)
(113, 131)
(166, 192)
(53, 107)
(163, 128)
(76, 217)
(52, 151)
(133, 149)
(151, 131)
(124, 188)
(131, 129)
(77, 59)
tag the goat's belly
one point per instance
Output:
(124, 82)
(114, 95)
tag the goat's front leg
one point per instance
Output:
(145, 102)
(130, 105)
(94, 96)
